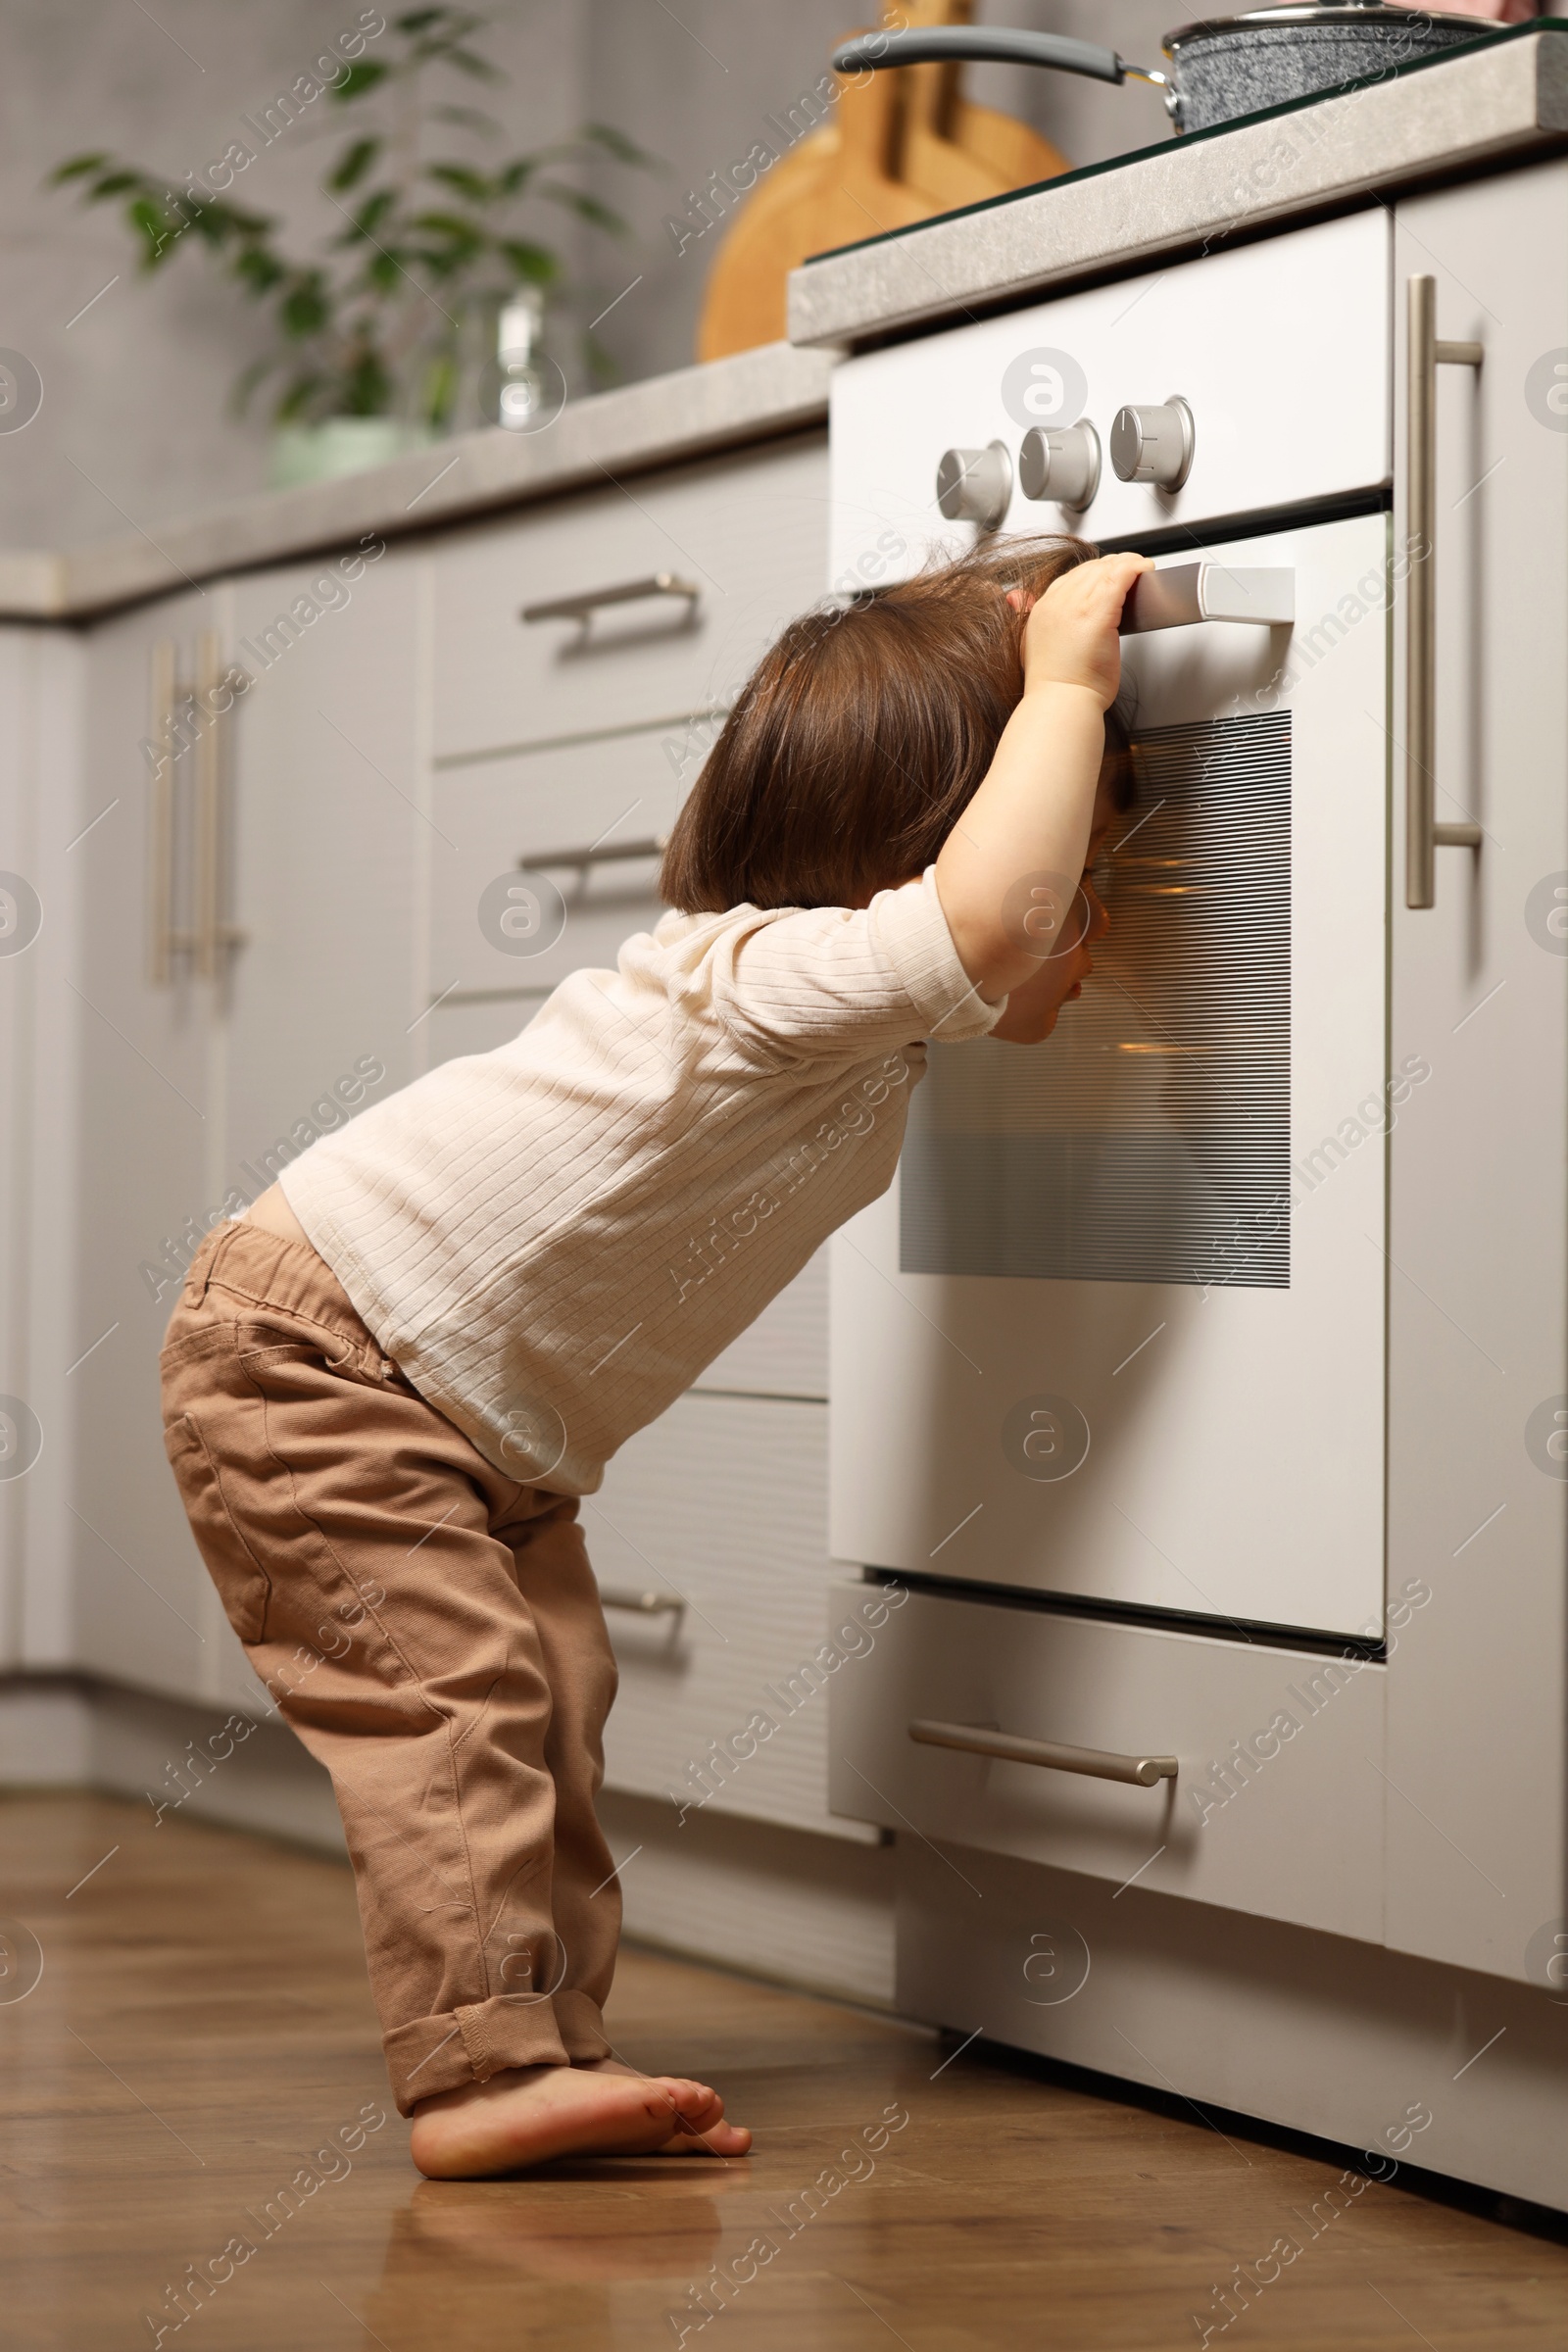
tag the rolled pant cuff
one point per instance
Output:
(470, 2045)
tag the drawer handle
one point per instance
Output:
(1423, 835)
(1180, 593)
(630, 592)
(643, 1604)
(1140, 1771)
(625, 853)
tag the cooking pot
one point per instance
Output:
(1221, 68)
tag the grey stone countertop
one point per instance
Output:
(665, 420)
(1503, 100)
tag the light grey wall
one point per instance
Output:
(696, 93)
(135, 425)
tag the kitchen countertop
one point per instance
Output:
(1499, 102)
(665, 420)
(1504, 101)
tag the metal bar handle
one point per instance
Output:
(580, 608)
(214, 936)
(1096, 1763)
(1181, 593)
(1423, 835)
(162, 690)
(627, 852)
(643, 1604)
(208, 816)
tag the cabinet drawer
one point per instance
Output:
(535, 806)
(721, 1504)
(784, 1352)
(749, 532)
(1282, 351)
(1278, 1803)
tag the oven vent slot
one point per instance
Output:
(1148, 1140)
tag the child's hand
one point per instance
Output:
(1070, 638)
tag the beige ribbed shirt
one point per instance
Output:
(552, 1240)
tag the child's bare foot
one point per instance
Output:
(530, 2113)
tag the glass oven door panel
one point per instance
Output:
(1117, 1330)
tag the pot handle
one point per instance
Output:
(976, 44)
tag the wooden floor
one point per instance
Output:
(201, 2038)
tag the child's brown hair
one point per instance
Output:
(861, 736)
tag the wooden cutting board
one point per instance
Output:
(902, 147)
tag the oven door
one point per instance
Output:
(1117, 1330)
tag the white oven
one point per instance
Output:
(1118, 1332)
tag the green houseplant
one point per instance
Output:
(387, 333)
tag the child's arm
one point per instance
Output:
(1029, 821)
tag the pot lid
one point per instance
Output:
(1307, 13)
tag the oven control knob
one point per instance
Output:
(1154, 444)
(1060, 461)
(975, 485)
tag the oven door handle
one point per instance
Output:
(1181, 593)
(1098, 1764)
(1423, 835)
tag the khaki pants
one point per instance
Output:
(432, 1632)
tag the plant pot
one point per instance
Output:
(316, 453)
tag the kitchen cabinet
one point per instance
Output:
(404, 743)
(147, 1165)
(302, 796)
(1275, 1807)
(716, 1513)
(739, 544)
(1345, 1648)
(562, 749)
(1477, 1230)
(43, 832)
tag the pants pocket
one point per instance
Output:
(243, 1585)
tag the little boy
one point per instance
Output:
(386, 1386)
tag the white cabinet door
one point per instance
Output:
(44, 827)
(1117, 1331)
(329, 832)
(1478, 1243)
(147, 1164)
(194, 1091)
